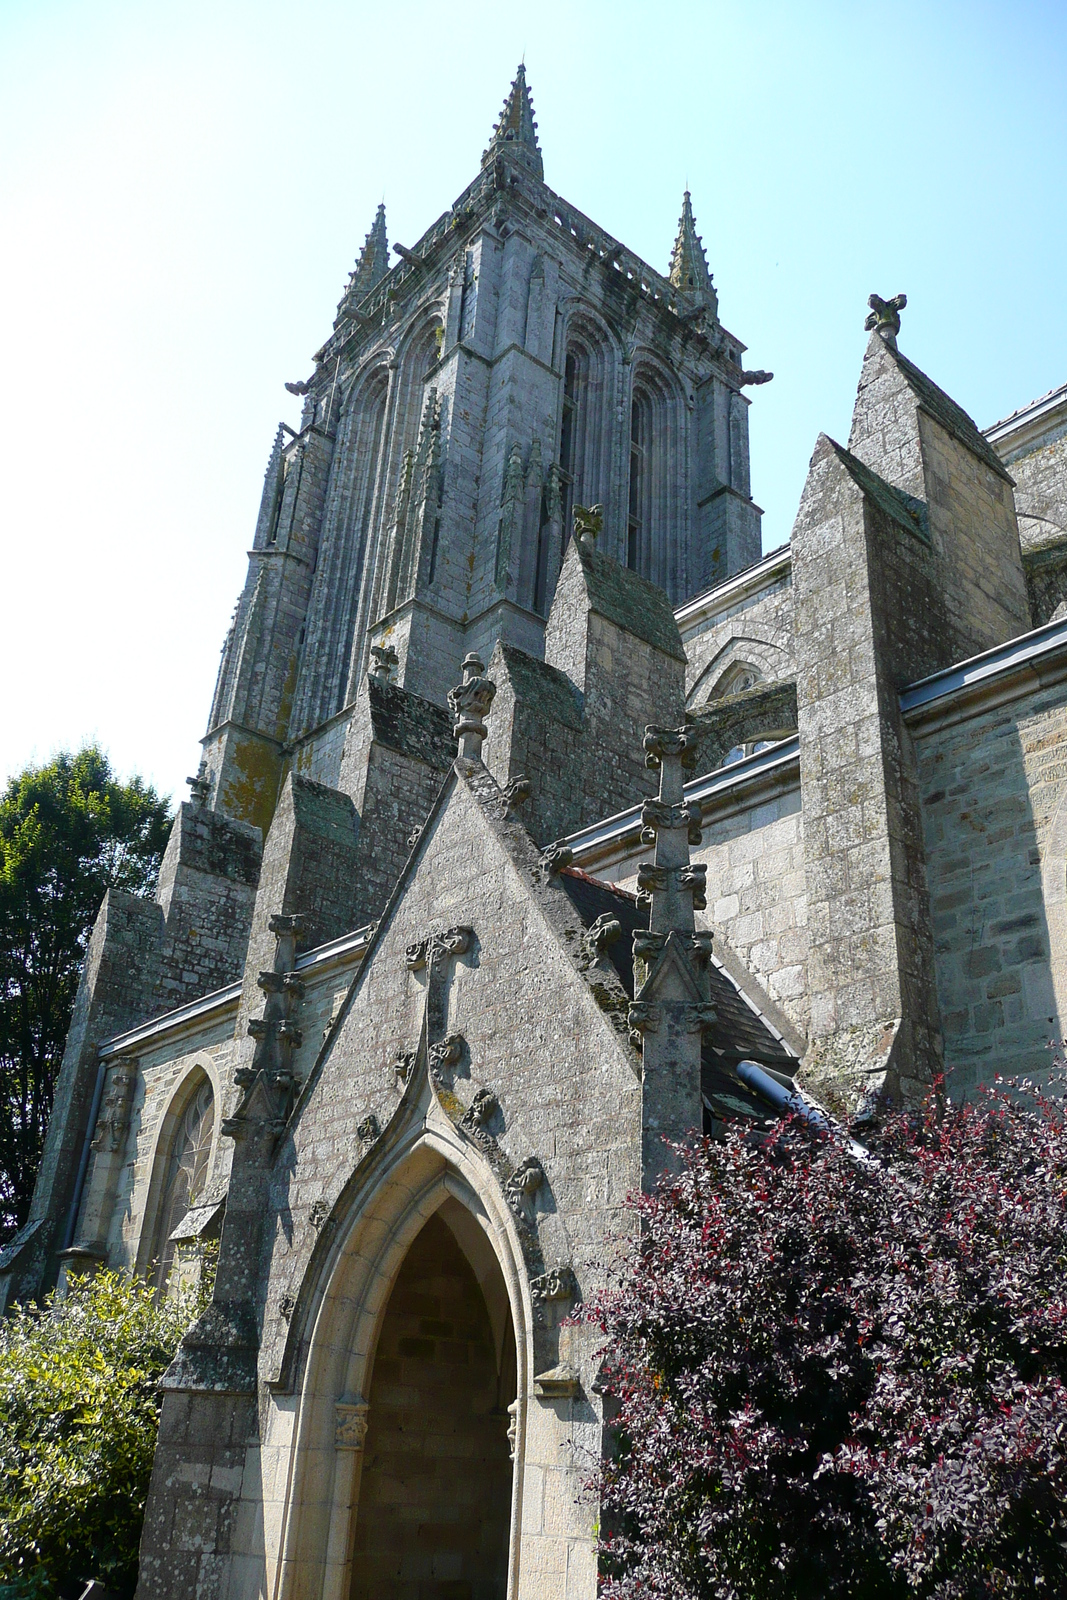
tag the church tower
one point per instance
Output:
(515, 362)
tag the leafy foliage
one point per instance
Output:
(839, 1378)
(69, 831)
(79, 1411)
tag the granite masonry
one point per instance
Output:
(534, 799)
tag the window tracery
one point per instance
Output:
(186, 1174)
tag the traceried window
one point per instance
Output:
(654, 524)
(186, 1173)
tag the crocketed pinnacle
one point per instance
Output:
(373, 261)
(689, 265)
(516, 132)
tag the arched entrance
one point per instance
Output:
(434, 1512)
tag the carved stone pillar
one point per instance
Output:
(470, 702)
(671, 1007)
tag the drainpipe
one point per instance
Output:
(792, 1102)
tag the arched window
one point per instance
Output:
(654, 533)
(186, 1172)
(419, 357)
(343, 550)
(738, 677)
(639, 521)
(584, 443)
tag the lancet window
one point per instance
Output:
(653, 531)
(583, 440)
(411, 395)
(343, 554)
(185, 1173)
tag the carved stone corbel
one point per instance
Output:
(559, 1284)
(404, 1064)
(482, 1109)
(643, 1016)
(558, 1383)
(516, 793)
(351, 1419)
(521, 1188)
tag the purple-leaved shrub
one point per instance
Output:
(831, 1377)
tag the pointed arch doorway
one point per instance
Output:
(435, 1496)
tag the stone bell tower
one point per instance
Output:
(515, 362)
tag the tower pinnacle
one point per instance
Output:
(689, 265)
(373, 261)
(516, 131)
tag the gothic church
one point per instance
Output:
(541, 818)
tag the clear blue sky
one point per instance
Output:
(183, 189)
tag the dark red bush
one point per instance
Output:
(833, 1377)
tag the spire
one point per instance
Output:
(689, 265)
(516, 132)
(373, 261)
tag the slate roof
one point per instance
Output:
(952, 417)
(414, 727)
(631, 602)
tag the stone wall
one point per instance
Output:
(994, 783)
(207, 888)
(744, 630)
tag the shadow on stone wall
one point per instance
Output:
(985, 784)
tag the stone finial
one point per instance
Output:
(385, 659)
(671, 885)
(884, 317)
(200, 786)
(373, 262)
(516, 131)
(588, 526)
(689, 265)
(470, 702)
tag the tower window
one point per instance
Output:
(635, 529)
(571, 380)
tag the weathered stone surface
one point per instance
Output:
(752, 716)
(435, 1029)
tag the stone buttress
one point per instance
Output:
(905, 558)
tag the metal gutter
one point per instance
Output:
(729, 594)
(349, 944)
(712, 786)
(1023, 651)
(219, 1001)
(1026, 416)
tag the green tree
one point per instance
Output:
(79, 1414)
(69, 831)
